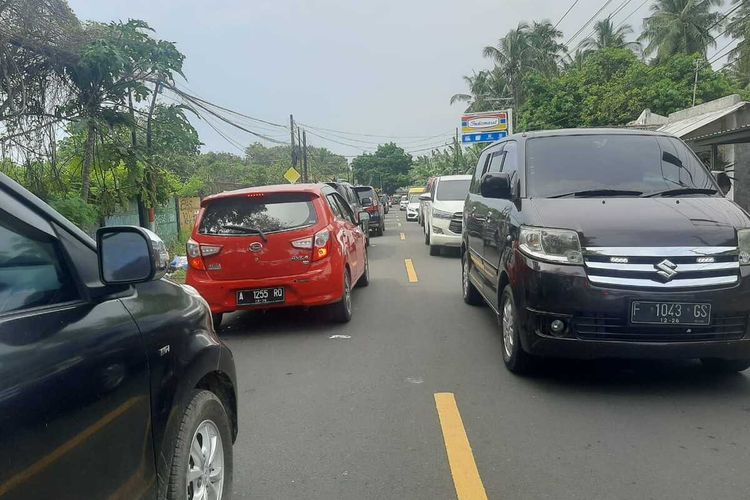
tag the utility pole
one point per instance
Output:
(695, 84)
(291, 131)
(305, 177)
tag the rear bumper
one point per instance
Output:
(318, 286)
(597, 319)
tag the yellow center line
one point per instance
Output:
(460, 458)
(403, 236)
(410, 271)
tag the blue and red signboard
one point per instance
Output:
(488, 126)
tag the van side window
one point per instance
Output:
(32, 270)
(510, 163)
(481, 168)
(496, 161)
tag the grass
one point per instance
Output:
(178, 276)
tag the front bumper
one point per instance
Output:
(313, 288)
(597, 318)
(412, 215)
(440, 233)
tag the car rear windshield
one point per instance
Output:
(414, 198)
(267, 213)
(366, 196)
(453, 190)
(643, 163)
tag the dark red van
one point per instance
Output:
(277, 246)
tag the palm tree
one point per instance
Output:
(511, 57)
(680, 26)
(576, 59)
(545, 53)
(486, 88)
(739, 29)
(607, 35)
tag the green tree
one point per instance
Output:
(739, 29)
(607, 35)
(680, 27)
(388, 167)
(485, 87)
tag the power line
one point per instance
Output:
(631, 14)
(566, 13)
(623, 4)
(585, 25)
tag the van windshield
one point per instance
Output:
(644, 164)
(453, 190)
(267, 213)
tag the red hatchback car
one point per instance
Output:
(277, 246)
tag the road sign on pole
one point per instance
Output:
(488, 126)
(292, 175)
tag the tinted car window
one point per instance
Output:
(368, 193)
(510, 155)
(563, 164)
(453, 190)
(32, 272)
(496, 162)
(276, 212)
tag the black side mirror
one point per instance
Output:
(130, 254)
(496, 185)
(724, 181)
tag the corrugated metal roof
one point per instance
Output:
(681, 128)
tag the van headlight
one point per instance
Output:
(743, 246)
(553, 245)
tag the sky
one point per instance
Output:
(376, 67)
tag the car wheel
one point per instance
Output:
(202, 461)
(341, 311)
(434, 250)
(364, 280)
(216, 318)
(470, 292)
(725, 365)
(515, 358)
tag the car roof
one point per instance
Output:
(454, 177)
(274, 188)
(569, 132)
(362, 188)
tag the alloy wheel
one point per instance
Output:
(465, 277)
(205, 476)
(347, 294)
(508, 326)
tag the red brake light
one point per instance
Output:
(321, 244)
(196, 252)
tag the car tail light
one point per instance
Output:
(371, 209)
(196, 252)
(321, 244)
(306, 243)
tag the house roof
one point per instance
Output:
(686, 126)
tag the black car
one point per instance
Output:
(607, 243)
(113, 383)
(371, 203)
(347, 191)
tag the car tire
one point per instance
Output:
(470, 293)
(725, 365)
(364, 280)
(204, 419)
(434, 250)
(341, 311)
(216, 319)
(515, 358)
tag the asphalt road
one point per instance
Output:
(355, 417)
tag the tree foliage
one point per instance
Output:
(388, 168)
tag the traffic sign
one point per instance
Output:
(292, 175)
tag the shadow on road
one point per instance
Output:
(643, 377)
(277, 321)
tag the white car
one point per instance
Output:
(403, 203)
(412, 208)
(443, 217)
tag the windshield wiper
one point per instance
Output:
(679, 191)
(598, 192)
(246, 229)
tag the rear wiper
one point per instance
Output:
(598, 192)
(246, 229)
(679, 191)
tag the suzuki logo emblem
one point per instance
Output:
(666, 269)
(255, 247)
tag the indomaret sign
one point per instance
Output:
(488, 126)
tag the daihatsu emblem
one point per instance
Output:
(255, 247)
(666, 269)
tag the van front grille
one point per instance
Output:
(456, 223)
(662, 267)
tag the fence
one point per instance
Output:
(173, 219)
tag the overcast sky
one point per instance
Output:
(383, 67)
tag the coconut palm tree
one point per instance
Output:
(607, 35)
(545, 53)
(511, 57)
(486, 88)
(739, 29)
(680, 26)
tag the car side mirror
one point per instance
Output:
(496, 185)
(364, 220)
(130, 254)
(724, 181)
(425, 197)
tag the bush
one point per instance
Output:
(77, 211)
